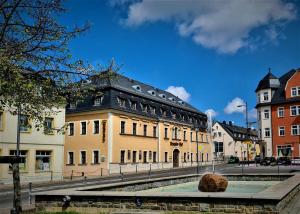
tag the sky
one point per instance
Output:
(210, 53)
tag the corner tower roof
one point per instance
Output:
(269, 81)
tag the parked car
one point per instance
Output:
(233, 159)
(296, 161)
(284, 161)
(268, 161)
(257, 159)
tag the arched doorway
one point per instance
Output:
(176, 158)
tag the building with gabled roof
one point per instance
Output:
(125, 125)
(278, 108)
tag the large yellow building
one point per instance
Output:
(128, 125)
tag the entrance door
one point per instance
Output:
(176, 158)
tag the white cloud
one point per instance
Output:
(252, 114)
(211, 112)
(179, 92)
(232, 106)
(217, 24)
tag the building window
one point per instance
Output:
(267, 132)
(267, 114)
(128, 154)
(295, 130)
(144, 108)
(154, 157)
(1, 120)
(71, 129)
(96, 157)
(42, 160)
(166, 132)
(122, 127)
(23, 157)
(184, 135)
(24, 123)
(163, 112)
(134, 157)
(152, 110)
(191, 135)
(73, 105)
(48, 125)
(192, 157)
(96, 127)
(103, 131)
(219, 147)
(82, 157)
(145, 157)
(145, 130)
(98, 101)
(71, 158)
(83, 128)
(184, 157)
(154, 131)
(284, 151)
(134, 128)
(150, 155)
(258, 97)
(266, 96)
(133, 105)
(173, 115)
(295, 110)
(122, 160)
(140, 155)
(122, 102)
(166, 157)
(259, 115)
(281, 130)
(280, 112)
(295, 91)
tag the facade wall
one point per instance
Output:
(89, 142)
(294, 81)
(288, 140)
(125, 151)
(33, 143)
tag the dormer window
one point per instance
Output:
(98, 101)
(73, 105)
(173, 115)
(180, 102)
(122, 102)
(163, 112)
(172, 99)
(144, 108)
(133, 104)
(163, 96)
(266, 96)
(152, 109)
(151, 92)
(137, 87)
(295, 91)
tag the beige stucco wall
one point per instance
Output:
(31, 142)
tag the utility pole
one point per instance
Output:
(16, 171)
(197, 143)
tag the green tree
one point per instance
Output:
(37, 72)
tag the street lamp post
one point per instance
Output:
(197, 144)
(247, 126)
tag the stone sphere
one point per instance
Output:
(212, 183)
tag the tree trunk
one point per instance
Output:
(17, 188)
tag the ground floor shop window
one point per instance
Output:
(42, 160)
(154, 157)
(284, 151)
(122, 156)
(23, 155)
(96, 157)
(145, 157)
(134, 157)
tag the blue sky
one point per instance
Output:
(212, 53)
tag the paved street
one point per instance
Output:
(6, 195)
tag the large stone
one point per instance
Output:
(212, 183)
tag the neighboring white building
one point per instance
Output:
(42, 153)
(229, 140)
(264, 93)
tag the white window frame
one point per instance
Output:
(266, 131)
(80, 157)
(86, 126)
(266, 111)
(93, 156)
(279, 129)
(297, 128)
(280, 109)
(297, 108)
(94, 126)
(294, 89)
(266, 93)
(69, 132)
(68, 152)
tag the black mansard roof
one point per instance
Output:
(265, 83)
(121, 87)
(234, 131)
(279, 94)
